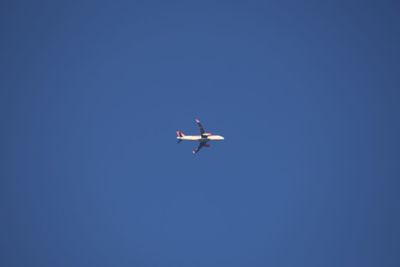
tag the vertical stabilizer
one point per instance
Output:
(179, 134)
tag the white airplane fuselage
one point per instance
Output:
(200, 138)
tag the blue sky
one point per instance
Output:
(305, 93)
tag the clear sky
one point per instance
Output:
(306, 94)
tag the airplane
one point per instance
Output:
(203, 138)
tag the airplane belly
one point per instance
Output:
(215, 138)
(191, 138)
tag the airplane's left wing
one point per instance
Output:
(201, 128)
(201, 144)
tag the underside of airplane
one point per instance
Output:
(203, 138)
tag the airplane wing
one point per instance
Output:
(201, 144)
(201, 128)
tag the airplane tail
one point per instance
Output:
(179, 134)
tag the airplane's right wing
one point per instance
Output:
(201, 128)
